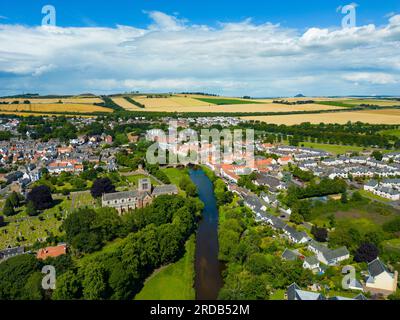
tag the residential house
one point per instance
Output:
(311, 263)
(296, 236)
(380, 279)
(328, 256)
(295, 293)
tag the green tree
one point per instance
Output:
(257, 264)
(33, 287)
(8, 209)
(14, 275)
(377, 155)
(15, 199)
(68, 287)
(94, 282)
(296, 218)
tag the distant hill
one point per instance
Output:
(300, 96)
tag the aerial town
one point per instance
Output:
(200, 158)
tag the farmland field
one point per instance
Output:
(226, 101)
(54, 107)
(391, 116)
(55, 100)
(38, 114)
(356, 102)
(176, 104)
(122, 102)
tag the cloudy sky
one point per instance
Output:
(250, 47)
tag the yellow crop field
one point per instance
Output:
(54, 107)
(367, 116)
(122, 102)
(51, 100)
(154, 104)
(189, 102)
(168, 105)
(27, 114)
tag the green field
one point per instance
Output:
(174, 282)
(175, 176)
(344, 104)
(222, 101)
(351, 103)
(333, 148)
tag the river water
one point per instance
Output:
(208, 280)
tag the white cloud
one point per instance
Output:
(165, 22)
(174, 55)
(373, 78)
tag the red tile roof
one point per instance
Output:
(53, 252)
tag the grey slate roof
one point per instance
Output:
(311, 260)
(123, 195)
(334, 254)
(165, 189)
(376, 267)
(295, 293)
(289, 255)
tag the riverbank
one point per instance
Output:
(172, 282)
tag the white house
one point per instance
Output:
(328, 256)
(371, 185)
(380, 280)
(311, 263)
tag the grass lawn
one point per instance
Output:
(175, 176)
(278, 295)
(173, 282)
(135, 179)
(370, 195)
(333, 148)
(222, 101)
(364, 217)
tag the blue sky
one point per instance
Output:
(260, 48)
(290, 13)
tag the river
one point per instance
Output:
(208, 280)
